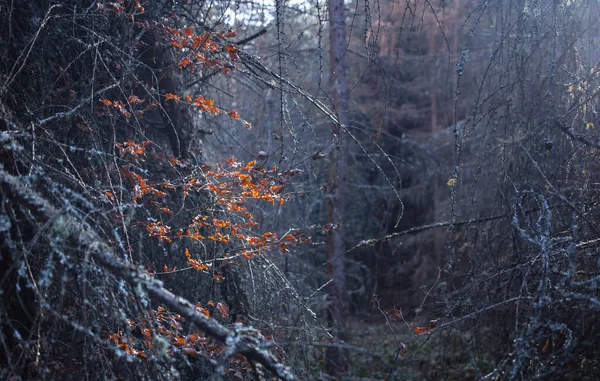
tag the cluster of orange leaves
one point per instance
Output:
(203, 49)
(223, 309)
(158, 230)
(253, 182)
(118, 105)
(135, 150)
(233, 185)
(142, 187)
(195, 263)
(132, 100)
(206, 105)
(231, 188)
(200, 103)
(140, 338)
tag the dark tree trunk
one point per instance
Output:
(164, 73)
(336, 359)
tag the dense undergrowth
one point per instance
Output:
(120, 127)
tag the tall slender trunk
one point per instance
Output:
(439, 189)
(336, 359)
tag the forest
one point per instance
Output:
(299, 190)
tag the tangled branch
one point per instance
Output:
(254, 347)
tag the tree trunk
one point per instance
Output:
(336, 359)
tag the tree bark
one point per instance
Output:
(336, 361)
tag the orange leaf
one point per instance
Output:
(248, 254)
(183, 63)
(421, 329)
(254, 241)
(167, 184)
(223, 310)
(196, 236)
(234, 114)
(109, 195)
(395, 314)
(176, 44)
(202, 310)
(174, 97)
(189, 31)
(179, 341)
(221, 223)
(106, 102)
(166, 210)
(135, 100)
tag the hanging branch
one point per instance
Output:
(253, 347)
